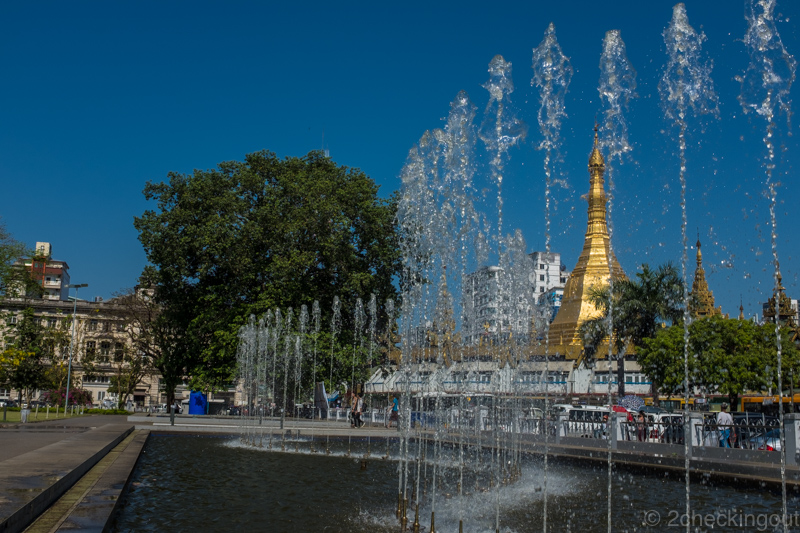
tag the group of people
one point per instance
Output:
(356, 403)
(724, 425)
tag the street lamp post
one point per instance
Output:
(72, 340)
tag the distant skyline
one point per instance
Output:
(98, 98)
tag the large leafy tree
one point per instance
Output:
(14, 281)
(22, 362)
(661, 358)
(726, 356)
(634, 309)
(734, 356)
(258, 234)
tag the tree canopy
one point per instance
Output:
(259, 234)
(726, 356)
(634, 310)
(13, 281)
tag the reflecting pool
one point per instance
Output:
(202, 483)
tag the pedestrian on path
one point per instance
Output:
(724, 424)
(395, 409)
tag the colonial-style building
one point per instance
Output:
(103, 339)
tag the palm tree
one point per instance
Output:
(635, 308)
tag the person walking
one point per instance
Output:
(394, 413)
(357, 410)
(724, 425)
(641, 427)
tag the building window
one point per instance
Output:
(120, 326)
(541, 289)
(541, 277)
(51, 323)
(541, 266)
(118, 352)
(105, 326)
(93, 325)
(12, 319)
(105, 351)
(91, 348)
(563, 280)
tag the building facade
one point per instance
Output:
(103, 345)
(52, 275)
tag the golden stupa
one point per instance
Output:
(596, 266)
(701, 303)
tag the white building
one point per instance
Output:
(494, 306)
(548, 272)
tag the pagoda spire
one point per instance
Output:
(701, 302)
(779, 307)
(596, 266)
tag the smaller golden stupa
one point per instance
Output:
(701, 301)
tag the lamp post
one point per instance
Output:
(72, 340)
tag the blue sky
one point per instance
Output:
(99, 97)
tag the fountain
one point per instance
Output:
(473, 450)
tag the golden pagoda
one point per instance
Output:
(596, 266)
(701, 301)
(779, 307)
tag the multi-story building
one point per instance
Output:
(496, 306)
(52, 275)
(483, 311)
(548, 272)
(547, 280)
(103, 339)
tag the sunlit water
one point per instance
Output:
(196, 483)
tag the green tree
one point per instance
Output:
(130, 367)
(14, 281)
(726, 356)
(636, 309)
(790, 356)
(263, 233)
(151, 336)
(22, 362)
(732, 355)
(661, 358)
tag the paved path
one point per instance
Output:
(41, 461)
(17, 439)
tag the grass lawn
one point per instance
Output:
(13, 417)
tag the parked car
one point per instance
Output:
(769, 441)
(749, 426)
(8, 403)
(653, 410)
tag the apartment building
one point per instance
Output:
(51, 274)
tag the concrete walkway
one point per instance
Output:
(42, 461)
